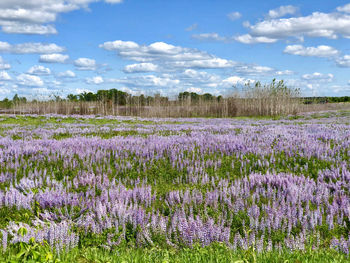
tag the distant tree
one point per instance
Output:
(16, 99)
(207, 97)
(87, 96)
(72, 97)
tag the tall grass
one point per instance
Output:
(257, 100)
(267, 100)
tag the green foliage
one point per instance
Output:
(217, 252)
(8, 214)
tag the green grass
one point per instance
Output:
(215, 253)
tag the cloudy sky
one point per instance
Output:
(140, 46)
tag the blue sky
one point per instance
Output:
(57, 47)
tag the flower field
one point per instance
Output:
(245, 190)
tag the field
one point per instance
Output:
(119, 189)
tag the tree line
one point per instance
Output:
(117, 97)
(252, 100)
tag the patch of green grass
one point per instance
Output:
(215, 253)
(62, 135)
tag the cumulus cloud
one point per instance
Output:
(236, 80)
(194, 89)
(29, 80)
(318, 24)
(234, 16)
(313, 85)
(4, 76)
(36, 17)
(248, 39)
(3, 64)
(187, 80)
(254, 70)
(340, 89)
(284, 72)
(209, 37)
(164, 81)
(95, 80)
(319, 51)
(30, 48)
(67, 74)
(79, 91)
(168, 56)
(343, 61)
(157, 51)
(39, 70)
(28, 29)
(213, 63)
(114, 1)
(196, 78)
(282, 11)
(345, 8)
(318, 77)
(119, 45)
(85, 64)
(53, 58)
(140, 67)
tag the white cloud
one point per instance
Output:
(317, 24)
(196, 78)
(114, 1)
(204, 64)
(236, 80)
(140, 67)
(148, 81)
(319, 51)
(67, 74)
(282, 11)
(192, 27)
(284, 72)
(85, 64)
(188, 80)
(4, 76)
(343, 61)
(169, 58)
(195, 90)
(119, 45)
(318, 77)
(79, 91)
(29, 80)
(313, 86)
(36, 16)
(248, 39)
(30, 48)
(28, 29)
(157, 51)
(254, 70)
(234, 16)
(340, 89)
(209, 37)
(95, 80)
(53, 58)
(39, 70)
(3, 64)
(345, 8)
(4, 91)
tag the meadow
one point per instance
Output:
(127, 189)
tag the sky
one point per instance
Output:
(58, 47)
